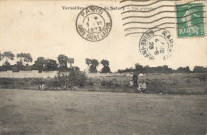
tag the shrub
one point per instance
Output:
(106, 83)
(7, 83)
(90, 83)
(54, 83)
(75, 78)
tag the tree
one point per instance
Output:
(6, 66)
(6, 63)
(138, 67)
(25, 57)
(0, 56)
(187, 69)
(199, 69)
(183, 70)
(20, 56)
(19, 66)
(105, 62)
(106, 68)
(62, 60)
(39, 64)
(51, 64)
(76, 68)
(165, 69)
(8, 56)
(93, 66)
(88, 61)
(147, 69)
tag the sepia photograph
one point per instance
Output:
(101, 67)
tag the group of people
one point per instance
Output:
(141, 87)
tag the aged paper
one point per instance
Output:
(48, 28)
(170, 34)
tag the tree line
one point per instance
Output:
(163, 69)
(41, 63)
(44, 64)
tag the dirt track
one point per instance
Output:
(28, 112)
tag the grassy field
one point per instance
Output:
(32, 112)
(177, 83)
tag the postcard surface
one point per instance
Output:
(138, 56)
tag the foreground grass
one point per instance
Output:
(24, 112)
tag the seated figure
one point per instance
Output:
(142, 86)
(42, 86)
(131, 83)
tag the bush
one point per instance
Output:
(75, 78)
(54, 83)
(7, 83)
(106, 83)
(13, 83)
(90, 83)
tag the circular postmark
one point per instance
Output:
(93, 23)
(156, 44)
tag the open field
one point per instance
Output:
(31, 112)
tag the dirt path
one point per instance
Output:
(27, 112)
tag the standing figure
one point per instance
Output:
(135, 79)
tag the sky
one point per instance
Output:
(44, 28)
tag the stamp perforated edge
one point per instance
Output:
(205, 19)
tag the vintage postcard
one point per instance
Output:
(101, 67)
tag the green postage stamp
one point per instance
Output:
(190, 20)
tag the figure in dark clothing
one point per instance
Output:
(135, 78)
